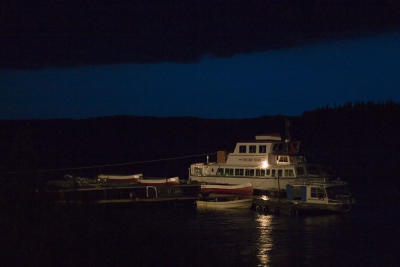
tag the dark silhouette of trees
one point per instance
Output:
(359, 140)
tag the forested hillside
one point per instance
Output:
(358, 140)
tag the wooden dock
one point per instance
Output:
(137, 195)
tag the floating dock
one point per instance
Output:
(124, 195)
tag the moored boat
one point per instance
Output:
(224, 202)
(308, 198)
(160, 181)
(332, 196)
(268, 163)
(241, 189)
(113, 178)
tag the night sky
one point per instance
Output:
(210, 59)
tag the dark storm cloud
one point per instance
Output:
(61, 33)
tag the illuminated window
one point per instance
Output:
(252, 149)
(228, 171)
(239, 172)
(262, 149)
(283, 159)
(260, 172)
(242, 149)
(249, 172)
(289, 173)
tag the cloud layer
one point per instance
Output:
(66, 33)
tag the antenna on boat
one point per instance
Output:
(287, 133)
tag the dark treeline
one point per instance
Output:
(360, 141)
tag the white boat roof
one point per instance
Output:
(269, 137)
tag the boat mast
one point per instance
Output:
(287, 132)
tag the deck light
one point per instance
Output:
(264, 164)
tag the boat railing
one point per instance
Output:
(319, 181)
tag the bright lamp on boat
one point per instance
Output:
(264, 164)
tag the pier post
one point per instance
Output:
(279, 190)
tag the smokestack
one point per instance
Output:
(221, 156)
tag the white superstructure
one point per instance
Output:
(268, 163)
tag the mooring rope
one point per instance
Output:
(111, 164)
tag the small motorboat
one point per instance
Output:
(328, 196)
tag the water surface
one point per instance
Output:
(186, 237)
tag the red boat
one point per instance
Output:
(160, 181)
(240, 189)
(134, 178)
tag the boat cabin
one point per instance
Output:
(260, 171)
(266, 148)
(318, 193)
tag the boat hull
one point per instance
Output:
(307, 208)
(120, 178)
(155, 182)
(231, 204)
(265, 183)
(242, 189)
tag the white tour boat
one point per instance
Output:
(268, 163)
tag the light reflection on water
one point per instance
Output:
(224, 238)
(265, 238)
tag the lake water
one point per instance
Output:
(182, 237)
